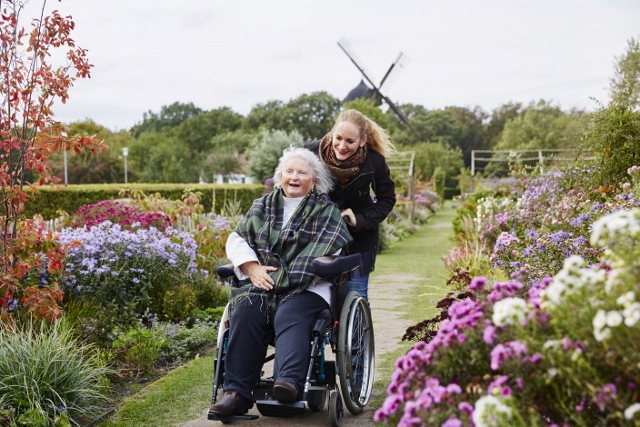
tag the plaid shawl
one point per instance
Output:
(314, 230)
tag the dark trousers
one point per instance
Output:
(250, 334)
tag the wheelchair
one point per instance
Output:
(347, 328)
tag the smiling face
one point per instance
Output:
(297, 178)
(347, 140)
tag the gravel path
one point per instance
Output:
(385, 292)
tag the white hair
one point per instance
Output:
(319, 172)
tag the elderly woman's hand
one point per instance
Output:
(259, 274)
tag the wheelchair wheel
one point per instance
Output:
(356, 353)
(336, 411)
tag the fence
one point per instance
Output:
(538, 156)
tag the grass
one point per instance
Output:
(176, 398)
(420, 255)
(183, 394)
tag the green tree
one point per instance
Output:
(85, 168)
(475, 138)
(613, 134)
(159, 157)
(170, 116)
(238, 140)
(500, 116)
(197, 132)
(430, 155)
(267, 149)
(311, 115)
(540, 126)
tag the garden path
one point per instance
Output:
(388, 291)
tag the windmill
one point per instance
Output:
(375, 95)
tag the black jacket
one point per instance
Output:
(355, 194)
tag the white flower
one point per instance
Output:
(609, 227)
(552, 372)
(574, 262)
(614, 278)
(600, 321)
(488, 409)
(631, 410)
(509, 311)
(631, 314)
(602, 334)
(551, 344)
(626, 299)
(576, 354)
(614, 318)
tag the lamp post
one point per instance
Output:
(64, 152)
(125, 153)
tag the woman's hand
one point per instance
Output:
(259, 274)
(349, 217)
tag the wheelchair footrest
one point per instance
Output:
(274, 408)
(212, 416)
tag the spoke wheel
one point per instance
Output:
(356, 352)
(336, 411)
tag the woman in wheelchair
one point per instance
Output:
(277, 297)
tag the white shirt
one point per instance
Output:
(239, 252)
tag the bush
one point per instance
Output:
(120, 269)
(118, 213)
(45, 373)
(567, 351)
(50, 200)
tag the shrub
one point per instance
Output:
(566, 351)
(139, 348)
(120, 269)
(118, 213)
(44, 373)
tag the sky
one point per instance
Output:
(239, 53)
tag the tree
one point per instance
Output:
(84, 168)
(159, 157)
(170, 116)
(430, 155)
(29, 87)
(312, 115)
(540, 126)
(475, 138)
(267, 149)
(196, 133)
(613, 134)
(238, 140)
(499, 117)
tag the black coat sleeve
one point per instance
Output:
(385, 190)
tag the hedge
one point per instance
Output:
(50, 200)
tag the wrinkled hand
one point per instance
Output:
(349, 217)
(259, 274)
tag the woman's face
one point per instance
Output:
(297, 178)
(347, 140)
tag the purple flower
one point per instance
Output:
(452, 422)
(489, 334)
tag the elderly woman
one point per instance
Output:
(278, 297)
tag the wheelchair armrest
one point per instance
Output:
(328, 267)
(225, 271)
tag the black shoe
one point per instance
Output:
(285, 392)
(230, 404)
